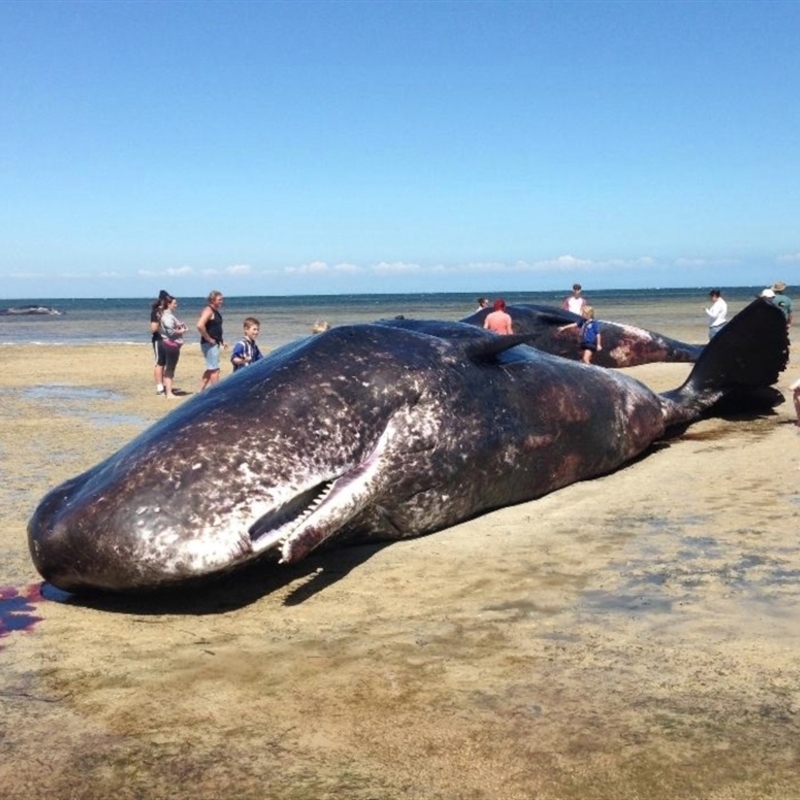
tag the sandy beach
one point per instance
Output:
(633, 636)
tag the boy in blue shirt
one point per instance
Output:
(246, 352)
(591, 341)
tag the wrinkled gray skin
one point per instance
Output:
(378, 431)
(623, 345)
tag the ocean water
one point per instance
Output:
(675, 312)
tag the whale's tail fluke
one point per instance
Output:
(738, 366)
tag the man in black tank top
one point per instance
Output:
(209, 326)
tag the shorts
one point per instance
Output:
(211, 355)
(160, 353)
(587, 346)
(715, 329)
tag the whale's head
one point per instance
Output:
(278, 457)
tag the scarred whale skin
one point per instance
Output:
(377, 431)
(623, 345)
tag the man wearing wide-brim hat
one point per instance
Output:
(783, 302)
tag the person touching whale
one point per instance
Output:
(591, 338)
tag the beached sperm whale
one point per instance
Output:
(377, 431)
(623, 345)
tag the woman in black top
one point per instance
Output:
(209, 326)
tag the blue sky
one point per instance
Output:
(340, 147)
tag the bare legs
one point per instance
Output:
(169, 370)
(210, 378)
(211, 353)
(797, 404)
(158, 367)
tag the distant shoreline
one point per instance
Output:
(673, 312)
(537, 293)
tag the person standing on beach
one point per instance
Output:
(591, 339)
(783, 302)
(499, 321)
(795, 387)
(246, 352)
(209, 326)
(717, 314)
(574, 302)
(156, 309)
(172, 330)
(482, 303)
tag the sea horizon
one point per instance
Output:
(6, 302)
(125, 320)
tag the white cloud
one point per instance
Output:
(561, 264)
(171, 271)
(635, 263)
(691, 263)
(315, 267)
(239, 269)
(22, 276)
(788, 258)
(345, 267)
(480, 266)
(396, 267)
(568, 263)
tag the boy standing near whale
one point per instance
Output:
(591, 340)
(245, 351)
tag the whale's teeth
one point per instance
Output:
(278, 525)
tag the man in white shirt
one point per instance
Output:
(574, 302)
(717, 314)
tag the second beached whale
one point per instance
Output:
(623, 345)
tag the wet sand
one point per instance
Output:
(633, 636)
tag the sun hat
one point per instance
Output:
(767, 293)
(778, 286)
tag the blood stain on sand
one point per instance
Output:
(17, 608)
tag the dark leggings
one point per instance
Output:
(171, 361)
